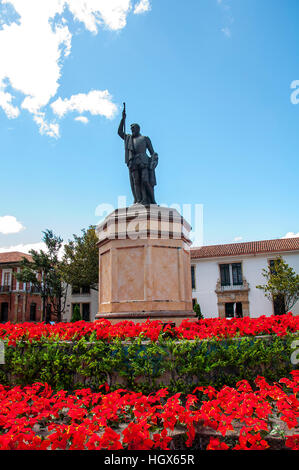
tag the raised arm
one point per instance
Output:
(121, 129)
(121, 126)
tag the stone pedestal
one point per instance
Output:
(144, 265)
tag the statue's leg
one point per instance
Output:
(136, 180)
(151, 193)
(144, 187)
(133, 186)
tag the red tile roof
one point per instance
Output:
(13, 257)
(247, 248)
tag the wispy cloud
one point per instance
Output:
(83, 119)
(228, 18)
(36, 39)
(227, 32)
(238, 239)
(142, 7)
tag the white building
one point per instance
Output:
(86, 298)
(224, 277)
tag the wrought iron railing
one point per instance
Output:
(5, 289)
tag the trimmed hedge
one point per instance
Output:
(147, 366)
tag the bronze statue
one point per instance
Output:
(141, 166)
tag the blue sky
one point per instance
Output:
(209, 81)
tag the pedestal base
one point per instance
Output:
(144, 266)
(140, 317)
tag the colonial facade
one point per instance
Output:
(224, 277)
(87, 300)
(19, 301)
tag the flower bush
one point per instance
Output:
(147, 356)
(103, 330)
(36, 417)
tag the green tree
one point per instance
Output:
(76, 316)
(81, 260)
(197, 310)
(45, 274)
(282, 284)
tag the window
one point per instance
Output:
(272, 265)
(6, 277)
(233, 310)
(231, 274)
(32, 316)
(48, 313)
(193, 276)
(224, 274)
(237, 274)
(86, 312)
(229, 310)
(4, 312)
(279, 305)
(80, 290)
(75, 290)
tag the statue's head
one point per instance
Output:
(135, 128)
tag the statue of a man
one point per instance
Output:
(141, 166)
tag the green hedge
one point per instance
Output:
(147, 366)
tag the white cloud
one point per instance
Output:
(291, 235)
(95, 102)
(5, 103)
(82, 119)
(51, 129)
(24, 247)
(34, 43)
(142, 7)
(238, 239)
(9, 224)
(95, 13)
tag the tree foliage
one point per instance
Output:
(45, 274)
(282, 282)
(197, 310)
(76, 316)
(81, 260)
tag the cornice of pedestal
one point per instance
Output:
(142, 222)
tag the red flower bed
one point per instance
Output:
(104, 330)
(35, 417)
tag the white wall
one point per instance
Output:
(207, 274)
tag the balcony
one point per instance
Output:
(5, 289)
(33, 290)
(232, 288)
